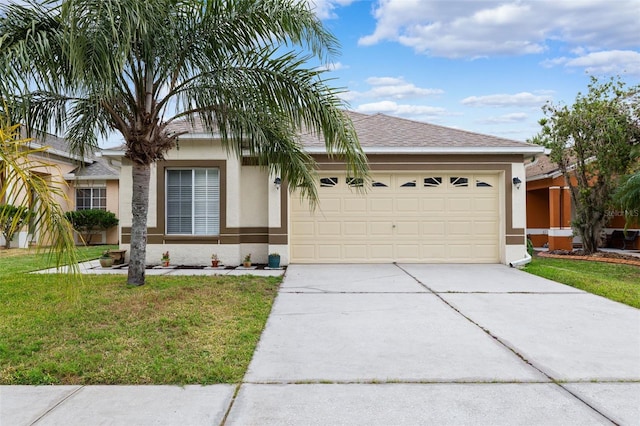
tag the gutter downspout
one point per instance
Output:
(521, 262)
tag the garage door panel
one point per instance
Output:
(381, 205)
(432, 228)
(381, 252)
(407, 205)
(357, 229)
(434, 217)
(433, 204)
(488, 204)
(304, 252)
(407, 228)
(355, 205)
(379, 229)
(408, 252)
(464, 228)
(459, 204)
(354, 252)
(330, 205)
(485, 228)
(329, 252)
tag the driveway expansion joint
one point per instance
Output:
(56, 405)
(511, 349)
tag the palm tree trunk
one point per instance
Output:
(141, 174)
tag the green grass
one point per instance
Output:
(613, 281)
(173, 330)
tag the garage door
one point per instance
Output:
(425, 217)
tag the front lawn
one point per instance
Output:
(173, 330)
(613, 281)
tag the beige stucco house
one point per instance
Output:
(437, 195)
(86, 182)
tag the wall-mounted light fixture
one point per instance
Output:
(517, 182)
(277, 182)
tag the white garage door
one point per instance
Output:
(403, 217)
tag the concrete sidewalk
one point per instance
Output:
(397, 345)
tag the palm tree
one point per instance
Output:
(87, 67)
(21, 181)
(627, 197)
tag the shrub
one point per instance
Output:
(11, 220)
(86, 222)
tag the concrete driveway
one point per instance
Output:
(440, 344)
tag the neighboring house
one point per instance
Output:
(437, 195)
(88, 182)
(549, 208)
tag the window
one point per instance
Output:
(430, 182)
(91, 198)
(483, 184)
(409, 184)
(193, 201)
(355, 182)
(459, 182)
(328, 182)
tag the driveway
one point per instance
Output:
(441, 344)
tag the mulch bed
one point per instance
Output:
(600, 256)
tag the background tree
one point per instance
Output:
(593, 142)
(13, 218)
(87, 222)
(87, 67)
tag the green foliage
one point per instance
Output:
(12, 218)
(594, 142)
(86, 222)
(613, 281)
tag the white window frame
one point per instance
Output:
(92, 198)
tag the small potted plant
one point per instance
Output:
(106, 261)
(247, 261)
(274, 260)
(165, 259)
(214, 260)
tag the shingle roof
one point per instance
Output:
(384, 131)
(540, 167)
(381, 130)
(100, 168)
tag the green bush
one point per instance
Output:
(86, 222)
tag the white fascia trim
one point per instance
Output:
(214, 135)
(112, 153)
(73, 177)
(440, 150)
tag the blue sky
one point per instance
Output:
(484, 66)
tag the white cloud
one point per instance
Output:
(334, 66)
(414, 112)
(602, 62)
(497, 27)
(514, 117)
(522, 99)
(608, 62)
(392, 88)
(324, 9)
